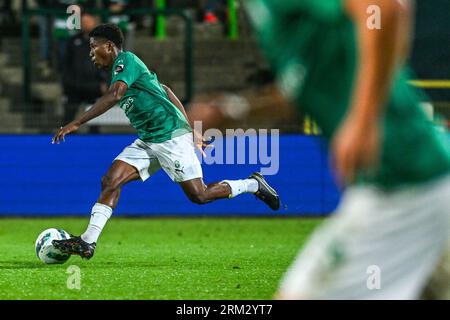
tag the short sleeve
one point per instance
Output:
(125, 69)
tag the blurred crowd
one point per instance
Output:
(206, 11)
(65, 52)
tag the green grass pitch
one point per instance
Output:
(156, 258)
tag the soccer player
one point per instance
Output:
(165, 140)
(347, 70)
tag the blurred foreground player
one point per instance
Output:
(390, 234)
(165, 140)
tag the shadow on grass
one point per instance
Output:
(127, 264)
(12, 265)
(21, 265)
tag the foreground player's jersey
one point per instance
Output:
(146, 103)
(312, 47)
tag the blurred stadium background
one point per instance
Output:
(205, 51)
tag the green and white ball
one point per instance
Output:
(45, 251)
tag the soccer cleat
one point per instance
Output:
(75, 245)
(265, 192)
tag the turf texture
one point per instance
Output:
(155, 258)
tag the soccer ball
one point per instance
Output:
(45, 250)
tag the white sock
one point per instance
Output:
(242, 186)
(99, 216)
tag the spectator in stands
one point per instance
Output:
(208, 11)
(82, 82)
(61, 33)
(118, 16)
(44, 43)
(6, 12)
(209, 7)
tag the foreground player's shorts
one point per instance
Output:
(176, 156)
(378, 245)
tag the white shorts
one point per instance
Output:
(378, 246)
(176, 156)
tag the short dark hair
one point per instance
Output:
(108, 31)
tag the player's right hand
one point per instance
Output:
(71, 127)
(355, 147)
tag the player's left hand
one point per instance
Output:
(71, 127)
(356, 146)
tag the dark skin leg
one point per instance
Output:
(118, 174)
(121, 173)
(199, 193)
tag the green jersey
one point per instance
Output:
(311, 45)
(146, 103)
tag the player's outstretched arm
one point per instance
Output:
(381, 51)
(106, 102)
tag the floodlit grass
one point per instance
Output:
(156, 258)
